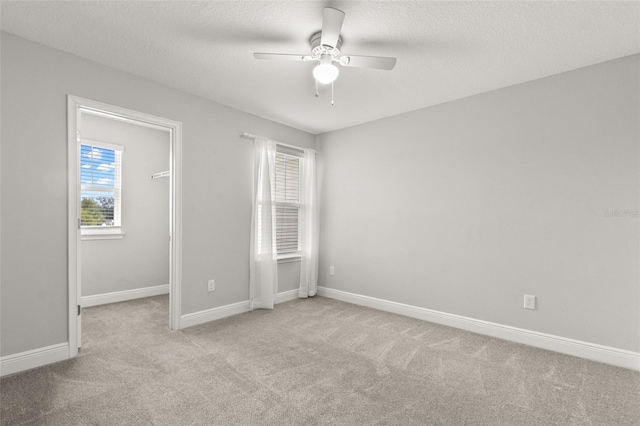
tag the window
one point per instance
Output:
(100, 188)
(287, 204)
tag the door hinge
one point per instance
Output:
(79, 310)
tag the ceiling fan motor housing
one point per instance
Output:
(318, 50)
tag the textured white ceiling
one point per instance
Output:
(445, 50)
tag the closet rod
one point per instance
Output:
(250, 136)
(161, 174)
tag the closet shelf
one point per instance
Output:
(161, 174)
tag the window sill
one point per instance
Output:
(286, 258)
(101, 234)
(102, 237)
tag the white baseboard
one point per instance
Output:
(121, 296)
(592, 351)
(196, 318)
(27, 360)
(200, 317)
(285, 296)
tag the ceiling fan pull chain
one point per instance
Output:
(316, 88)
(332, 93)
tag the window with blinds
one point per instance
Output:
(100, 185)
(287, 203)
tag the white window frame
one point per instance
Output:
(108, 232)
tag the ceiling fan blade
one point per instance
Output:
(281, 56)
(331, 25)
(377, 62)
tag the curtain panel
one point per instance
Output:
(263, 262)
(308, 226)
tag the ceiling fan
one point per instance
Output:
(325, 49)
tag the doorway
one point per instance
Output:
(101, 217)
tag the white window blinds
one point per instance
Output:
(287, 203)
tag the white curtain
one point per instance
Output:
(263, 262)
(308, 226)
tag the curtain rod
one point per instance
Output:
(251, 136)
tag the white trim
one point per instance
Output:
(200, 317)
(107, 145)
(189, 320)
(175, 222)
(102, 236)
(27, 360)
(73, 222)
(285, 296)
(592, 351)
(121, 296)
(76, 105)
(122, 114)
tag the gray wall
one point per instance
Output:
(467, 206)
(288, 275)
(35, 81)
(141, 258)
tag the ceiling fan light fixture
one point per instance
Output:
(325, 49)
(325, 73)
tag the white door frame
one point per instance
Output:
(75, 105)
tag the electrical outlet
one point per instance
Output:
(332, 270)
(211, 285)
(529, 302)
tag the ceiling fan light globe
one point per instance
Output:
(325, 73)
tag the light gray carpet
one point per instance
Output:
(315, 361)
